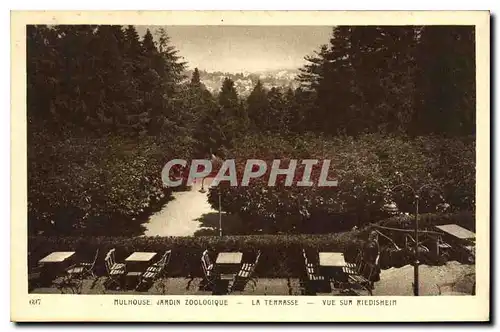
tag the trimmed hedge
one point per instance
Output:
(281, 254)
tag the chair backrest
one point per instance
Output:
(109, 260)
(165, 259)
(258, 257)
(255, 263)
(206, 258)
(205, 263)
(204, 268)
(359, 263)
(305, 255)
(95, 257)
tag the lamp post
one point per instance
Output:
(416, 195)
(220, 213)
(202, 190)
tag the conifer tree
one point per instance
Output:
(258, 106)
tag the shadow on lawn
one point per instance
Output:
(209, 224)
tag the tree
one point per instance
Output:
(277, 117)
(258, 107)
(195, 79)
(133, 48)
(446, 81)
(43, 71)
(226, 121)
(172, 69)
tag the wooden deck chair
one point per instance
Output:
(115, 270)
(245, 275)
(310, 285)
(363, 275)
(156, 270)
(82, 270)
(354, 267)
(208, 269)
(311, 269)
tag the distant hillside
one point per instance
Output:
(244, 82)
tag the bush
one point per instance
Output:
(367, 169)
(96, 186)
(281, 255)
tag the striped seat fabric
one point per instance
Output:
(155, 270)
(115, 270)
(82, 269)
(245, 274)
(118, 266)
(75, 270)
(358, 279)
(312, 274)
(348, 270)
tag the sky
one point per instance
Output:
(244, 48)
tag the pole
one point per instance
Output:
(415, 266)
(202, 190)
(220, 216)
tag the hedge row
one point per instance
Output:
(281, 254)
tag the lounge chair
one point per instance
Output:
(354, 267)
(245, 274)
(361, 276)
(313, 280)
(156, 270)
(115, 270)
(208, 269)
(311, 269)
(82, 270)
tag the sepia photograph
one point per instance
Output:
(217, 161)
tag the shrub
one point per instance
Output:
(96, 186)
(367, 169)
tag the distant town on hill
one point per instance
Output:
(245, 82)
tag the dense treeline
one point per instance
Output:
(107, 108)
(104, 115)
(368, 169)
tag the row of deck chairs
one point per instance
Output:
(357, 273)
(244, 275)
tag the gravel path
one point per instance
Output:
(179, 216)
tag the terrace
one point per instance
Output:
(452, 278)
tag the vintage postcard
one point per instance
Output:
(250, 166)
